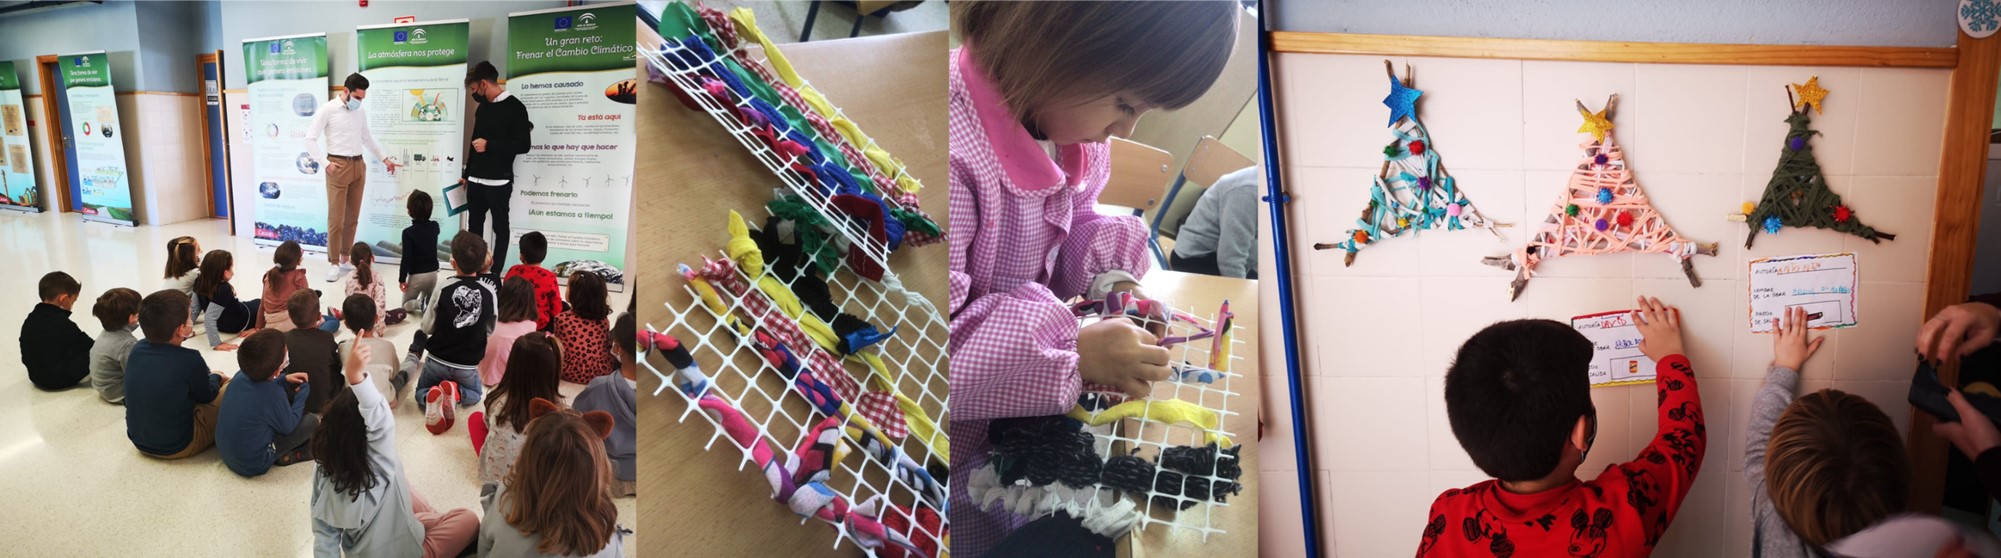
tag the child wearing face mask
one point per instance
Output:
(1035, 91)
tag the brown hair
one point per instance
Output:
(358, 312)
(303, 307)
(364, 263)
(468, 253)
(587, 296)
(56, 283)
(533, 364)
(1834, 466)
(419, 208)
(212, 267)
(517, 300)
(1166, 53)
(182, 256)
(262, 354)
(287, 259)
(560, 489)
(162, 314)
(115, 308)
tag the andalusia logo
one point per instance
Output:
(586, 22)
(417, 36)
(288, 47)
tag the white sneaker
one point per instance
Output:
(334, 274)
(346, 267)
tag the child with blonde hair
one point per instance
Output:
(1035, 91)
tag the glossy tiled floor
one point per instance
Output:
(73, 484)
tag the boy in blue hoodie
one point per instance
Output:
(170, 394)
(262, 421)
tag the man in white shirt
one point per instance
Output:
(345, 126)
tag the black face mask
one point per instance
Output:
(479, 97)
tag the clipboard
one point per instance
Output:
(455, 199)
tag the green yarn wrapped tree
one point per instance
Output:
(1798, 195)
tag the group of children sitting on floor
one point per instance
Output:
(548, 472)
(1828, 471)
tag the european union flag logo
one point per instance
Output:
(563, 23)
(402, 37)
(276, 48)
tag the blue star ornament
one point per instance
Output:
(1402, 101)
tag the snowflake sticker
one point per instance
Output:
(1979, 18)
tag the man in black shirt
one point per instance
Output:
(499, 132)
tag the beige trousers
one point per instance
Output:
(344, 188)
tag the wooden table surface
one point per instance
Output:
(697, 501)
(1202, 295)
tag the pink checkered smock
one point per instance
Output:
(1025, 237)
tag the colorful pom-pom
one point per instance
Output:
(1424, 183)
(1601, 224)
(1797, 143)
(1772, 224)
(1417, 147)
(1361, 237)
(1625, 219)
(1403, 223)
(1750, 207)
(1601, 159)
(1604, 195)
(1842, 214)
(1570, 210)
(1391, 150)
(1453, 210)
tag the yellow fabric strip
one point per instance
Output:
(746, 23)
(1165, 411)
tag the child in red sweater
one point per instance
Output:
(1520, 403)
(548, 301)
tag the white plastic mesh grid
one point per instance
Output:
(1148, 437)
(915, 357)
(689, 81)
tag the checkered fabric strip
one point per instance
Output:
(879, 407)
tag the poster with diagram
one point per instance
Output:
(574, 69)
(98, 145)
(287, 84)
(416, 110)
(17, 161)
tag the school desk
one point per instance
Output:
(695, 500)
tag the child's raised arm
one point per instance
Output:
(1790, 351)
(1660, 478)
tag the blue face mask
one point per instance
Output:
(353, 104)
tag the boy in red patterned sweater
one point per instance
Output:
(1520, 403)
(548, 301)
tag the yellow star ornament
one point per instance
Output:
(1595, 124)
(1810, 94)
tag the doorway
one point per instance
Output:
(215, 139)
(55, 107)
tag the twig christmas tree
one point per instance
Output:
(1602, 211)
(1413, 191)
(1798, 195)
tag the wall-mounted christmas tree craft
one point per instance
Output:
(1413, 191)
(1798, 195)
(1602, 211)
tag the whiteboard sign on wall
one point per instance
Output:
(1822, 284)
(1616, 359)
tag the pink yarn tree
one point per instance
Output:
(1602, 211)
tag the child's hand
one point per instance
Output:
(1660, 328)
(1790, 347)
(1116, 353)
(296, 377)
(226, 347)
(352, 369)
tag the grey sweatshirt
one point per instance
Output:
(1771, 537)
(380, 521)
(1225, 223)
(107, 362)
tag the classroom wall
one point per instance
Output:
(1377, 337)
(1782, 22)
(111, 27)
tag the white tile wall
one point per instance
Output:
(1378, 336)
